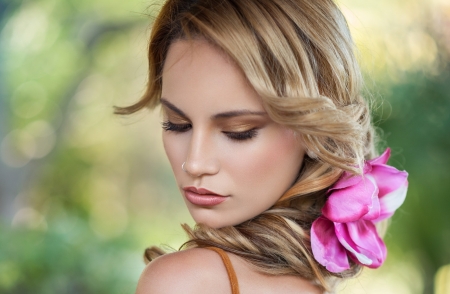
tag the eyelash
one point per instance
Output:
(242, 136)
(179, 128)
(237, 136)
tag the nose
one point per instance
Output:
(202, 156)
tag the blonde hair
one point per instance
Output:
(299, 57)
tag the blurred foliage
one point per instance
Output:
(64, 260)
(418, 130)
(82, 192)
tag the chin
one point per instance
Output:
(214, 222)
(217, 218)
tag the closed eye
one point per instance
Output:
(179, 128)
(242, 136)
(236, 136)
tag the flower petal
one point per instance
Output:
(391, 201)
(351, 203)
(361, 239)
(374, 209)
(388, 178)
(346, 180)
(382, 159)
(326, 247)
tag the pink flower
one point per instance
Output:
(346, 227)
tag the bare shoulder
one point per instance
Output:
(252, 281)
(194, 270)
(201, 271)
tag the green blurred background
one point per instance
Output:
(83, 192)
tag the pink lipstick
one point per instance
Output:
(203, 197)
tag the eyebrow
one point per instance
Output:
(172, 107)
(222, 115)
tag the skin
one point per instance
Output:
(207, 97)
(201, 271)
(216, 123)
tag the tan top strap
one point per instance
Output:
(230, 270)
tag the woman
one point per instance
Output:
(271, 145)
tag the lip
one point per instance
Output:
(203, 197)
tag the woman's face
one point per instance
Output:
(237, 161)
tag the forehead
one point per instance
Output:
(197, 73)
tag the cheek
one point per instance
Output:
(174, 152)
(273, 164)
